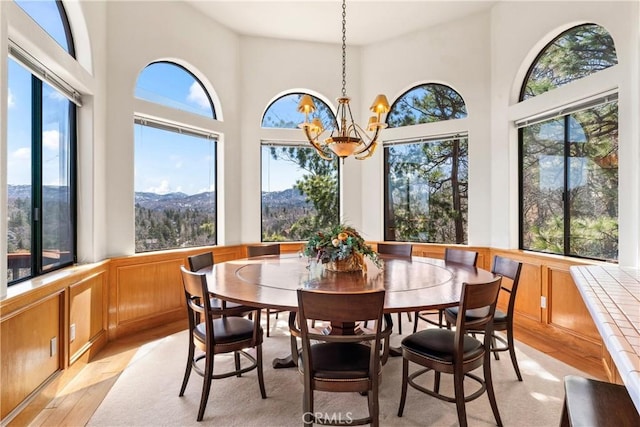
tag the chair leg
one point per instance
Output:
(489, 384)
(187, 371)
(436, 382)
(268, 317)
(206, 383)
(374, 409)
(236, 359)
(263, 392)
(307, 407)
(416, 317)
(512, 352)
(440, 314)
(458, 378)
(400, 323)
(405, 376)
(494, 344)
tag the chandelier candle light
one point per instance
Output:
(348, 138)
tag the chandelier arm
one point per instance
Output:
(367, 141)
(315, 145)
(372, 150)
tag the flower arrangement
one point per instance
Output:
(341, 243)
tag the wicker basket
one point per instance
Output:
(344, 265)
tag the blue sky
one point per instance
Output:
(165, 161)
(19, 130)
(168, 162)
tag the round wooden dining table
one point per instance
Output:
(411, 283)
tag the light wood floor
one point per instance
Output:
(74, 404)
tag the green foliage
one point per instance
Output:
(171, 228)
(591, 192)
(339, 242)
(576, 53)
(426, 104)
(427, 192)
(319, 185)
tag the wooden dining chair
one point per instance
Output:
(216, 332)
(458, 256)
(262, 250)
(502, 321)
(203, 260)
(455, 352)
(340, 363)
(399, 250)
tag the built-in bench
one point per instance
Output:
(592, 403)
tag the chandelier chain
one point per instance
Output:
(344, 48)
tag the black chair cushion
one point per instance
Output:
(226, 330)
(439, 343)
(499, 316)
(339, 360)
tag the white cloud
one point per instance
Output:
(57, 96)
(198, 96)
(23, 153)
(163, 188)
(11, 100)
(212, 187)
(51, 139)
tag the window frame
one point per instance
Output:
(386, 195)
(566, 200)
(293, 144)
(40, 74)
(592, 98)
(182, 129)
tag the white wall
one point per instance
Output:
(143, 32)
(271, 67)
(519, 30)
(458, 55)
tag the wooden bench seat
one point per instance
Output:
(592, 403)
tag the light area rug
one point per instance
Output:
(146, 393)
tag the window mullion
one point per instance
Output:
(36, 179)
(566, 196)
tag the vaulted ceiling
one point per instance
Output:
(368, 21)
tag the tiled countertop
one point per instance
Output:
(612, 295)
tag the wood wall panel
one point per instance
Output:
(566, 306)
(147, 289)
(529, 292)
(87, 311)
(26, 359)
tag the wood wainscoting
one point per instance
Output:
(125, 295)
(47, 324)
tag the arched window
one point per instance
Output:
(426, 103)
(41, 155)
(174, 86)
(426, 176)
(574, 54)
(300, 191)
(569, 155)
(51, 16)
(283, 113)
(175, 164)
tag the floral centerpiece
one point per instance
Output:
(340, 248)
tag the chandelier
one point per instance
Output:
(346, 138)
